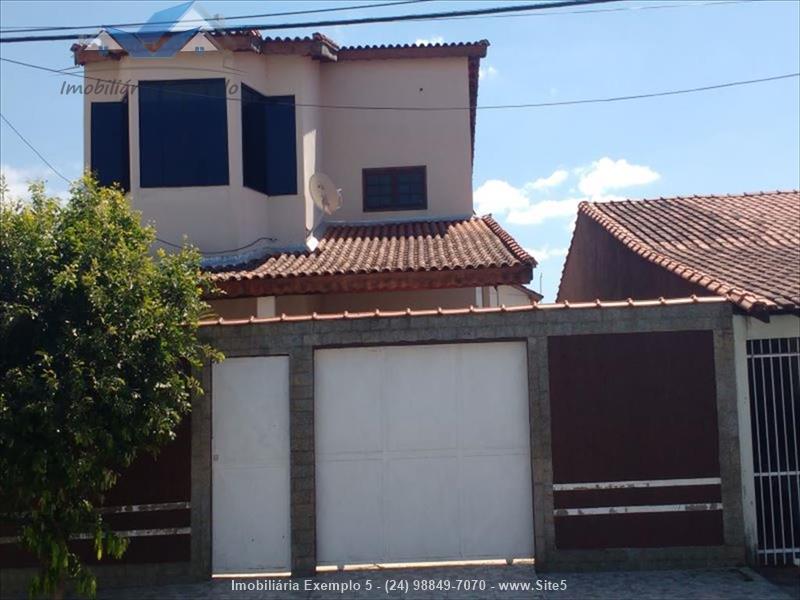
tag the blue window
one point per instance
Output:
(269, 147)
(110, 159)
(183, 133)
(395, 188)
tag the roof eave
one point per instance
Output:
(468, 50)
(254, 286)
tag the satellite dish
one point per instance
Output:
(324, 193)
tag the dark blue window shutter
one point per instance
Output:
(183, 133)
(110, 155)
(281, 146)
(269, 148)
(254, 140)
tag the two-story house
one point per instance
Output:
(217, 145)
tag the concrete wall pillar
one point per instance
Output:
(302, 463)
(201, 477)
(541, 449)
(729, 447)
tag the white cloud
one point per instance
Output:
(499, 197)
(429, 41)
(487, 72)
(19, 178)
(523, 205)
(557, 178)
(546, 253)
(539, 212)
(606, 174)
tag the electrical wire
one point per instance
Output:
(355, 21)
(212, 252)
(168, 243)
(640, 7)
(506, 106)
(694, 4)
(598, 100)
(32, 147)
(36, 28)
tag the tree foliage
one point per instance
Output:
(97, 340)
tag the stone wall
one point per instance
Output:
(299, 338)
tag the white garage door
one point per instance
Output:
(422, 453)
(250, 465)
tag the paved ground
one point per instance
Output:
(483, 582)
(786, 578)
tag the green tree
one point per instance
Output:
(98, 337)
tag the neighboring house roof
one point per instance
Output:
(745, 247)
(389, 256)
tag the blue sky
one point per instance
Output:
(532, 166)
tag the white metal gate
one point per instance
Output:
(774, 380)
(422, 453)
(250, 465)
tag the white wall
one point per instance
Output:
(511, 296)
(355, 140)
(338, 142)
(749, 328)
(222, 217)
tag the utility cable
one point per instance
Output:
(32, 147)
(353, 21)
(36, 28)
(62, 176)
(598, 100)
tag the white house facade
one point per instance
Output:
(218, 145)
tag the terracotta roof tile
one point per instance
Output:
(408, 312)
(436, 45)
(745, 247)
(369, 52)
(408, 246)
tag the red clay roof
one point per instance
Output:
(385, 51)
(745, 247)
(316, 45)
(476, 245)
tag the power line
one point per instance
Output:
(357, 21)
(489, 107)
(640, 7)
(31, 29)
(61, 175)
(692, 4)
(230, 251)
(31, 146)
(693, 90)
(598, 100)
